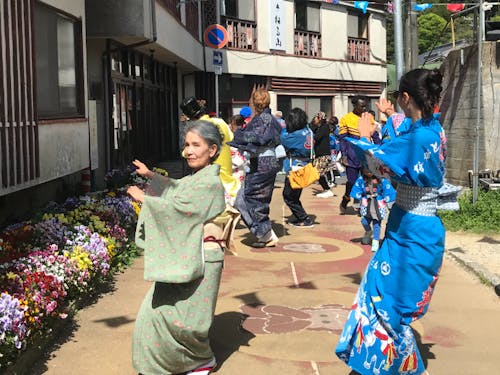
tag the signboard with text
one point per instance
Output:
(277, 27)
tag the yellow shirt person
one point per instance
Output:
(231, 183)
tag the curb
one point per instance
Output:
(486, 277)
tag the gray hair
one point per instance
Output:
(208, 131)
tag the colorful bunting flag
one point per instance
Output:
(361, 5)
(422, 7)
(455, 7)
(331, 1)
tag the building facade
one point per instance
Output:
(92, 84)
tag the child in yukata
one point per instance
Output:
(375, 196)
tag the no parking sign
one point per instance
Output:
(215, 36)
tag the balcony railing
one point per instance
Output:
(307, 43)
(172, 6)
(192, 19)
(241, 34)
(358, 49)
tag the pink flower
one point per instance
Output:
(51, 306)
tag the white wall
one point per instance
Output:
(179, 43)
(334, 32)
(377, 37)
(64, 149)
(332, 65)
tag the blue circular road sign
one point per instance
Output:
(215, 36)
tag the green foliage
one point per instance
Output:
(430, 31)
(390, 40)
(481, 217)
(495, 18)
(125, 257)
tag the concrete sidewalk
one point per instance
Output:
(281, 310)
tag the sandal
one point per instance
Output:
(203, 369)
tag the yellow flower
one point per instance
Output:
(137, 208)
(112, 194)
(11, 275)
(81, 258)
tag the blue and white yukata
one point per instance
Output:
(400, 278)
(373, 195)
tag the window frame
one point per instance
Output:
(307, 4)
(362, 19)
(79, 109)
(239, 9)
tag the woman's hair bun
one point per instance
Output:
(434, 81)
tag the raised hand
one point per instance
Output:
(136, 193)
(142, 169)
(385, 106)
(366, 125)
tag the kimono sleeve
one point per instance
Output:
(358, 188)
(411, 158)
(388, 192)
(201, 200)
(158, 184)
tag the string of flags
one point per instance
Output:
(452, 7)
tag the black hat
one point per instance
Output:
(191, 108)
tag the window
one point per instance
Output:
(58, 66)
(310, 104)
(357, 25)
(306, 16)
(240, 9)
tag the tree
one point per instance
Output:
(390, 39)
(431, 31)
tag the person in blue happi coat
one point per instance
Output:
(399, 280)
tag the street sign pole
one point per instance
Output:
(215, 36)
(217, 17)
(217, 94)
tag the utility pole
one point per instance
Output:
(480, 38)
(411, 36)
(217, 18)
(398, 39)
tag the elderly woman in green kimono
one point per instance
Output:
(184, 261)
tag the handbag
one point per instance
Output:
(303, 177)
(306, 175)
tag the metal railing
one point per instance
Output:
(241, 34)
(307, 43)
(358, 49)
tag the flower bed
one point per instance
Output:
(58, 258)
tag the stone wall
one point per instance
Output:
(459, 110)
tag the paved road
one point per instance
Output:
(281, 310)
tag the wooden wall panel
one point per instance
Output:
(18, 128)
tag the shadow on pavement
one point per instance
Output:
(490, 240)
(33, 361)
(116, 321)
(355, 277)
(424, 349)
(227, 335)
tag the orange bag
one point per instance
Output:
(303, 177)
